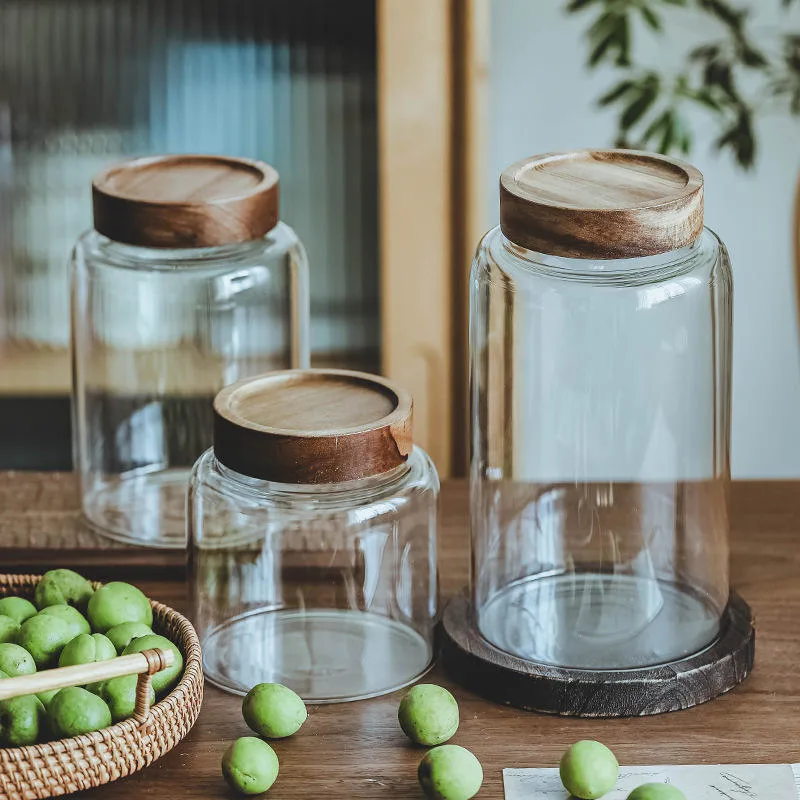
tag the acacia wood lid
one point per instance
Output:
(312, 426)
(601, 204)
(185, 201)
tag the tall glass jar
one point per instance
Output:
(601, 315)
(312, 525)
(188, 282)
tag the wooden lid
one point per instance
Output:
(312, 426)
(601, 204)
(186, 201)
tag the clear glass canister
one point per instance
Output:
(187, 283)
(601, 315)
(312, 525)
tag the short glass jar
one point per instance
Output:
(187, 283)
(312, 527)
(601, 318)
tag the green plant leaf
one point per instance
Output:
(656, 127)
(579, 5)
(668, 136)
(675, 2)
(624, 44)
(615, 93)
(637, 109)
(739, 138)
(650, 17)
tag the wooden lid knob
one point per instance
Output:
(601, 204)
(312, 426)
(186, 201)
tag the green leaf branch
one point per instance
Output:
(653, 110)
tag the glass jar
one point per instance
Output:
(601, 315)
(187, 283)
(312, 525)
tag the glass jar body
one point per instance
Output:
(330, 589)
(155, 334)
(600, 453)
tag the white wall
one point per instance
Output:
(543, 99)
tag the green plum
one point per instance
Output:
(17, 608)
(450, 772)
(63, 586)
(250, 765)
(656, 791)
(76, 621)
(22, 721)
(16, 660)
(47, 697)
(9, 629)
(589, 770)
(273, 710)
(162, 681)
(121, 635)
(116, 603)
(44, 637)
(120, 696)
(86, 649)
(74, 711)
(428, 714)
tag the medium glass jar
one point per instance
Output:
(601, 315)
(312, 525)
(187, 283)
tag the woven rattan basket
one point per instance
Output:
(83, 762)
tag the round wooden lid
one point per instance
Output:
(601, 204)
(312, 426)
(185, 201)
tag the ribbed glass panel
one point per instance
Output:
(86, 82)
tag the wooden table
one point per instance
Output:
(357, 750)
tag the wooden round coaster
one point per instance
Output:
(507, 679)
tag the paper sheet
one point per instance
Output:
(726, 782)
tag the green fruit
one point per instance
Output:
(63, 586)
(116, 603)
(120, 696)
(656, 791)
(428, 714)
(75, 711)
(250, 765)
(122, 635)
(86, 649)
(16, 660)
(47, 697)
(76, 621)
(450, 772)
(162, 681)
(9, 629)
(273, 710)
(44, 637)
(22, 719)
(589, 770)
(17, 608)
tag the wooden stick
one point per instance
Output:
(144, 664)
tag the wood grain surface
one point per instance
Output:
(357, 751)
(601, 204)
(313, 426)
(690, 681)
(185, 201)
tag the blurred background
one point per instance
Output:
(389, 122)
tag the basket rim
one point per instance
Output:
(188, 642)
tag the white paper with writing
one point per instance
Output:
(726, 782)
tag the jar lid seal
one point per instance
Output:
(185, 201)
(601, 204)
(312, 426)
